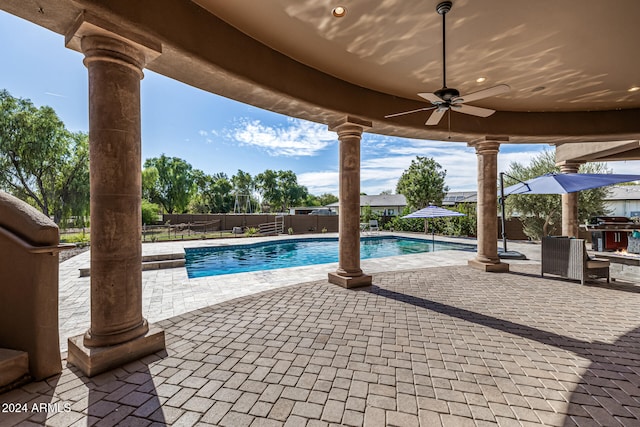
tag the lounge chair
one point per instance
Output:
(567, 257)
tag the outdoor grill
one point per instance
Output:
(609, 233)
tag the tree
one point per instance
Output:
(149, 212)
(223, 200)
(423, 183)
(267, 185)
(541, 214)
(292, 193)
(327, 198)
(213, 193)
(243, 186)
(170, 185)
(41, 161)
(74, 184)
(321, 200)
(280, 189)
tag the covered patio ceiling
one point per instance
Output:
(571, 65)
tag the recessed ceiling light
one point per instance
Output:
(339, 11)
(481, 79)
(634, 88)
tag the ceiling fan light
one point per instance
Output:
(339, 11)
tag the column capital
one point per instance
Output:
(99, 39)
(349, 124)
(488, 144)
(569, 166)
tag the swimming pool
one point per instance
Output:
(217, 260)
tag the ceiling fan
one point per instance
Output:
(449, 99)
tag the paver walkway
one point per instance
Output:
(168, 293)
(445, 346)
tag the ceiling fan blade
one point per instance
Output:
(431, 97)
(474, 111)
(409, 112)
(436, 116)
(485, 93)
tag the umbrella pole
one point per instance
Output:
(433, 240)
(505, 254)
(504, 234)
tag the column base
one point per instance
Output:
(499, 267)
(96, 360)
(350, 282)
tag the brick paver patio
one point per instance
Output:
(445, 346)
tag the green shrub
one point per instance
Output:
(149, 212)
(80, 239)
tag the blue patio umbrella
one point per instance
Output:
(562, 183)
(558, 183)
(432, 211)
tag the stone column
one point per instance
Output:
(487, 258)
(118, 332)
(569, 203)
(349, 274)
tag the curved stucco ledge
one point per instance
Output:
(27, 222)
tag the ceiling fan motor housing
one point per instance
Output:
(447, 93)
(444, 7)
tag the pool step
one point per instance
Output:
(162, 264)
(14, 368)
(153, 262)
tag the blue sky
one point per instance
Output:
(216, 134)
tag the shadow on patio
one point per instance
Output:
(445, 345)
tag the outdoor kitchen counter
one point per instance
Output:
(623, 266)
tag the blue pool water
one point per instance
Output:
(213, 261)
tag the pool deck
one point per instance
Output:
(169, 292)
(431, 343)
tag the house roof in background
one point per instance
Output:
(455, 197)
(379, 200)
(624, 192)
(383, 200)
(451, 198)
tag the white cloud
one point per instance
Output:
(57, 95)
(203, 133)
(456, 158)
(381, 169)
(320, 182)
(297, 138)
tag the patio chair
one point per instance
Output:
(373, 226)
(568, 258)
